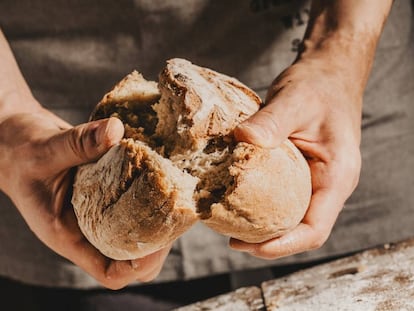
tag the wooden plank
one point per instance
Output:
(380, 279)
(242, 299)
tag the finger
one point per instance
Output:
(332, 183)
(158, 262)
(273, 123)
(81, 144)
(116, 274)
(142, 269)
(113, 274)
(308, 235)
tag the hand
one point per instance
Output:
(37, 153)
(319, 109)
(317, 103)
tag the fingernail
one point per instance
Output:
(256, 133)
(109, 132)
(101, 132)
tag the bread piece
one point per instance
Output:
(131, 101)
(182, 131)
(246, 192)
(198, 104)
(133, 202)
(267, 195)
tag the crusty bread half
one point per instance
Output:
(133, 202)
(180, 163)
(267, 195)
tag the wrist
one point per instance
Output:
(15, 102)
(348, 56)
(344, 35)
(15, 94)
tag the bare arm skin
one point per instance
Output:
(317, 103)
(37, 152)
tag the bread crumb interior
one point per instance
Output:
(162, 124)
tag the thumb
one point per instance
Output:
(84, 143)
(268, 127)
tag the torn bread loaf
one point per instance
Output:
(179, 163)
(133, 201)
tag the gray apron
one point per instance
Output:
(72, 52)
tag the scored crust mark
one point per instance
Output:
(150, 201)
(179, 163)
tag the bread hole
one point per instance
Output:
(139, 118)
(204, 203)
(180, 77)
(217, 143)
(203, 208)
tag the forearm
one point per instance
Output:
(15, 95)
(345, 33)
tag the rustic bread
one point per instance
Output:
(181, 132)
(267, 195)
(198, 104)
(133, 202)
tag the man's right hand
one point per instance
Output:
(38, 152)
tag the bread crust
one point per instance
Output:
(269, 195)
(211, 104)
(267, 190)
(179, 163)
(133, 202)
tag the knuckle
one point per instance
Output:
(113, 276)
(352, 167)
(346, 168)
(356, 168)
(316, 244)
(76, 143)
(272, 125)
(319, 239)
(352, 161)
(270, 116)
